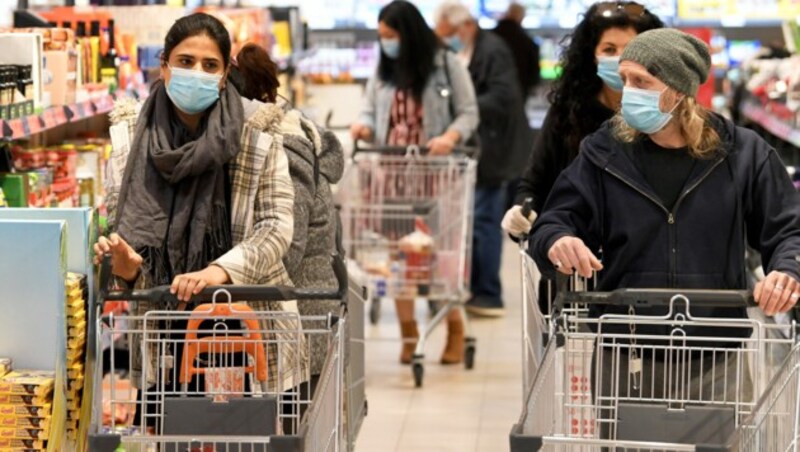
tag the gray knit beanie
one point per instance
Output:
(674, 57)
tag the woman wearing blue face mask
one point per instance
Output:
(587, 93)
(671, 193)
(420, 95)
(197, 195)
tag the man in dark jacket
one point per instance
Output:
(671, 194)
(667, 211)
(505, 141)
(524, 49)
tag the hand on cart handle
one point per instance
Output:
(778, 292)
(518, 221)
(360, 132)
(569, 254)
(163, 294)
(125, 261)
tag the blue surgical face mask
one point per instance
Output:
(391, 47)
(608, 70)
(455, 43)
(193, 91)
(641, 110)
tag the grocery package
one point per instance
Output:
(417, 252)
(5, 366)
(76, 348)
(25, 401)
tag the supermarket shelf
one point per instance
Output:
(775, 125)
(15, 129)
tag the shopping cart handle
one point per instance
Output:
(162, 295)
(661, 297)
(413, 150)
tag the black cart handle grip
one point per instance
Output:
(658, 297)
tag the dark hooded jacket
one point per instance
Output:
(742, 195)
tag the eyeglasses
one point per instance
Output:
(631, 9)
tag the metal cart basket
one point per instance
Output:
(664, 381)
(407, 222)
(224, 375)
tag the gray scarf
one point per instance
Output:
(173, 207)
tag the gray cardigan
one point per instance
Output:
(436, 100)
(316, 161)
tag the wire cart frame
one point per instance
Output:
(598, 384)
(228, 377)
(407, 221)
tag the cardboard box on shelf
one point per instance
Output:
(27, 382)
(25, 400)
(25, 410)
(22, 444)
(5, 366)
(24, 433)
(60, 76)
(25, 422)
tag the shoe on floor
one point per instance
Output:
(484, 307)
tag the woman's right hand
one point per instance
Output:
(360, 132)
(125, 262)
(569, 254)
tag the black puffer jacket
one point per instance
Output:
(506, 138)
(742, 195)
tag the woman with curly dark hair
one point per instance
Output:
(587, 94)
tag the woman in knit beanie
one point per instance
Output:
(668, 195)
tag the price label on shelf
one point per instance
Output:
(104, 105)
(17, 128)
(49, 118)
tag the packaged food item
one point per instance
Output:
(25, 410)
(23, 433)
(26, 422)
(25, 400)
(27, 382)
(5, 366)
(417, 249)
(22, 444)
(224, 383)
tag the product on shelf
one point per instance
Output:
(35, 383)
(25, 401)
(5, 367)
(76, 348)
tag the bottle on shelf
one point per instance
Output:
(94, 42)
(109, 63)
(83, 54)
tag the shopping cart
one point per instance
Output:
(666, 382)
(407, 222)
(224, 376)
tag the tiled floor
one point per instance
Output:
(455, 410)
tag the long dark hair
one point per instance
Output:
(418, 47)
(195, 25)
(255, 75)
(578, 85)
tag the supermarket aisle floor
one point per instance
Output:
(455, 410)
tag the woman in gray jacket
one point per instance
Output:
(316, 161)
(420, 95)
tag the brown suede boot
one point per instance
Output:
(454, 350)
(408, 330)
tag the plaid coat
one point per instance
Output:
(262, 199)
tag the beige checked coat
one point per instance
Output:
(262, 199)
